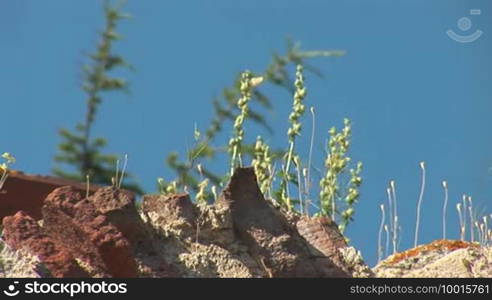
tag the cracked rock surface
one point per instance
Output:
(67, 234)
(105, 235)
(441, 258)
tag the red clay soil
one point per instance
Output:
(24, 192)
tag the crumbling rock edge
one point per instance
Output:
(241, 235)
(439, 259)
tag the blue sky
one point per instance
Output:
(412, 93)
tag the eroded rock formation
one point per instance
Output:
(241, 235)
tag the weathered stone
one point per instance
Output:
(27, 192)
(20, 263)
(77, 224)
(271, 239)
(241, 235)
(173, 212)
(22, 232)
(441, 258)
(198, 240)
(174, 207)
(118, 206)
(323, 235)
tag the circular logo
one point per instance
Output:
(464, 23)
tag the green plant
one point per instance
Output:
(336, 163)
(4, 167)
(201, 196)
(262, 162)
(166, 188)
(235, 143)
(80, 149)
(238, 108)
(294, 130)
(226, 109)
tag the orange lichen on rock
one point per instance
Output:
(438, 245)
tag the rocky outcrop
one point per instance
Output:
(323, 235)
(20, 263)
(272, 240)
(21, 232)
(241, 235)
(441, 258)
(77, 224)
(25, 192)
(105, 235)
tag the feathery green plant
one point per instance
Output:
(235, 143)
(237, 109)
(80, 149)
(226, 109)
(4, 167)
(262, 160)
(166, 188)
(262, 163)
(294, 130)
(201, 196)
(336, 164)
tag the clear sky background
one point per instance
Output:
(412, 93)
